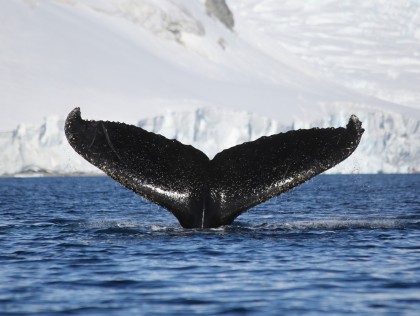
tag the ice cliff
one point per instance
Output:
(389, 145)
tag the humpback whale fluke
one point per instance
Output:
(201, 192)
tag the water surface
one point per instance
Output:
(342, 244)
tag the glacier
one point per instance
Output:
(388, 145)
(212, 74)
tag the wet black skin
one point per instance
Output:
(200, 192)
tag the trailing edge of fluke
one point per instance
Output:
(200, 192)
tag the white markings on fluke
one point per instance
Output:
(109, 140)
(171, 194)
(202, 216)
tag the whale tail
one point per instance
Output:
(209, 193)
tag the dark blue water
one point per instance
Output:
(86, 246)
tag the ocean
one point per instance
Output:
(339, 244)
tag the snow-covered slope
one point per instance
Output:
(180, 71)
(370, 46)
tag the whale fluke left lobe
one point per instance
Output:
(163, 171)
